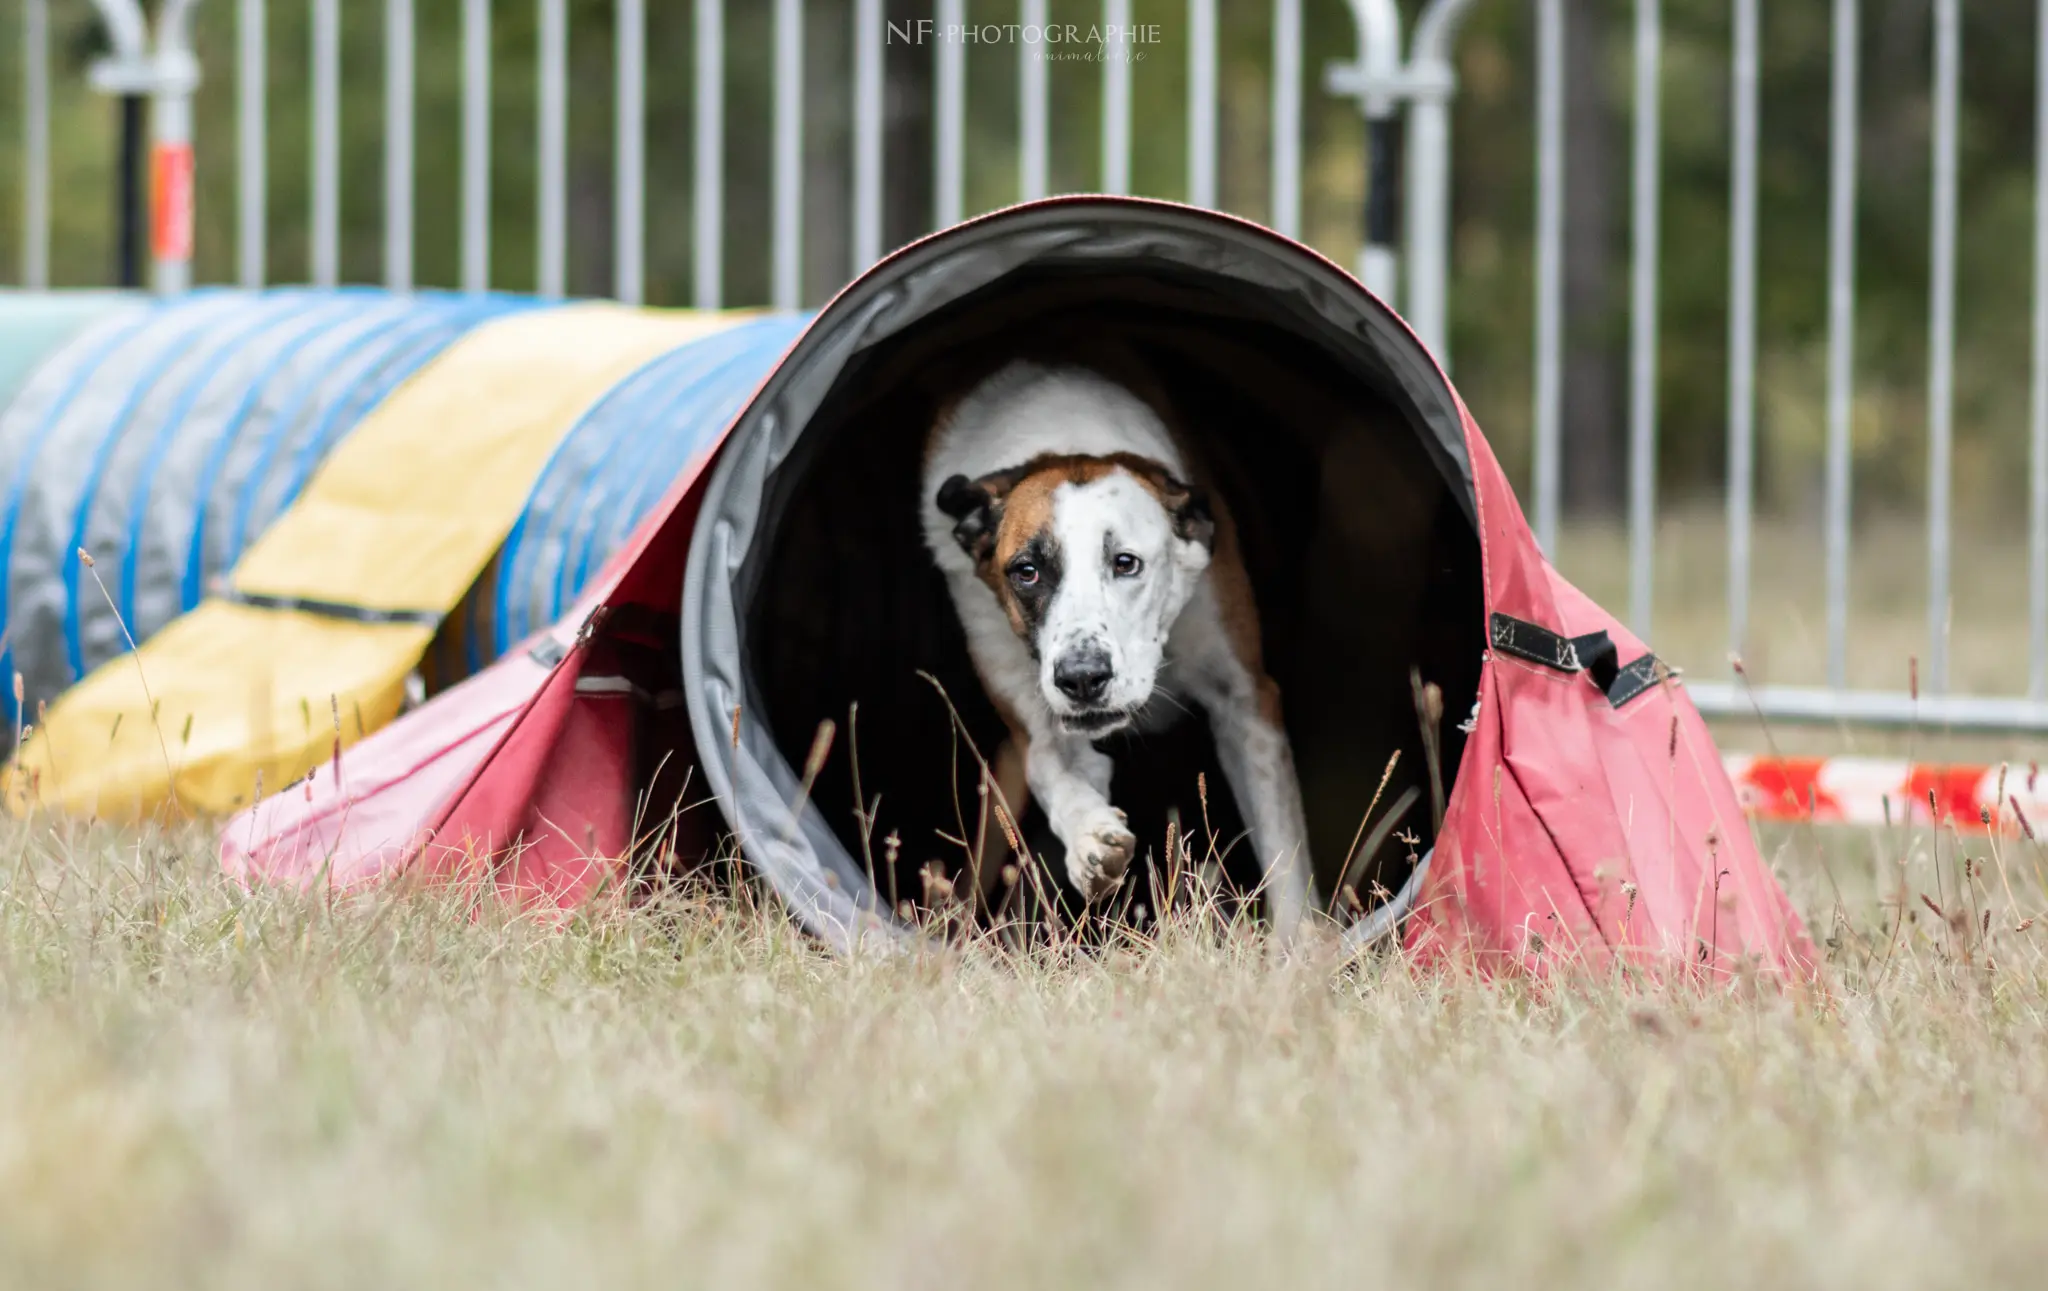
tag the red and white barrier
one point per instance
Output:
(1876, 791)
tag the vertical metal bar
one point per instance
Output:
(35, 115)
(2037, 422)
(128, 197)
(1941, 338)
(787, 291)
(172, 200)
(949, 164)
(1116, 96)
(1032, 103)
(707, 195)
(1741, 319)
(552, 219)
(1432, 81)
(251, 176)
(1286, 179)
(476, 145)
(867, 133)
(398, 144)
(1841, 328)
(326, 257)
(1642, 348)
(629, 144)
(1202, 102)
(1549, 411)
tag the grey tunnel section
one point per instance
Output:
(809, 596)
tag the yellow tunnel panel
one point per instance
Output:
(220, 696)
(402, 516)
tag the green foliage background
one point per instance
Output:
(1493, 189)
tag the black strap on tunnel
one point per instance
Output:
(333, 609)
(1593, 654)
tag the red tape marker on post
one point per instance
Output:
(1873, 791)
(171, 201)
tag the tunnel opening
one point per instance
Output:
(1357, 528)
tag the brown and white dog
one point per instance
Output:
(1099, 589)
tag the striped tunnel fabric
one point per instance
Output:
(369, 505)
(166, 436)
(611, 469)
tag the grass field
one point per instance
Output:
(202, 1087)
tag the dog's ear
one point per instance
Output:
(976, 508)
(1193, 521)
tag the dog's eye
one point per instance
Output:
(1024, 573)
(1126, 565)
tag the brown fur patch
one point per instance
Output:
(1027, 508)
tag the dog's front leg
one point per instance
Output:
(1244, 717)
(1070, 778)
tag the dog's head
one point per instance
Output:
(1092, 558)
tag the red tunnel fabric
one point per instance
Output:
(1578, 829)
(1578, 834)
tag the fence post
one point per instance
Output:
(476, 145)
(1841, 331)
(1286, 145)
(251, 163)
(1642, 317)
(326, 142)
(1432, 82)
(35, 191)
(786, 280)
(1941, 337)
(168, 73)
(1742, 319)
(708, 158)
(1201, 102)
(1031, 103)
(1547, 425)
(550, 270)
(949, 125)
(867, 133)
(1116, 97)
(398, 140)
(629, 130)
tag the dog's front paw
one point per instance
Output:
(1098, 857)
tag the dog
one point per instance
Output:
(1099, 588)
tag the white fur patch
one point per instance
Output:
(1095, 608)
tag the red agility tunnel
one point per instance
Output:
(1584, 810)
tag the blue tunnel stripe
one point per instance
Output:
(192, 316)
(625, 404)
(630, 463)
(291, 307)
(333, 314)
(18, 486)
(716, 403)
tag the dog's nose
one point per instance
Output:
(1083, 675)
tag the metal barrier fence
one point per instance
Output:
(157, 62)
(1934, 705)
(1400, 86)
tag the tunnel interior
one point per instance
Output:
(1356, 525)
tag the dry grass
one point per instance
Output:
(203, 1087)
(1787, 638)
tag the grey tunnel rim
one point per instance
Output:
(752, 781)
